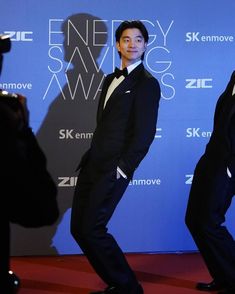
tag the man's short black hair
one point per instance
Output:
(131, 24)
(134, 24)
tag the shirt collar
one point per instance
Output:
(131, 67)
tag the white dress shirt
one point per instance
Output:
(117, 81)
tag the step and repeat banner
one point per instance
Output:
(61, 52)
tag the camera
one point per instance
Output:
(5, 43)
(5, 46)
(11, 99)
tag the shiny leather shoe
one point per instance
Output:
(212, 286)
(108, 290)
(113, 290)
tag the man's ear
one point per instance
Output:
(145, 46)
(118, 46)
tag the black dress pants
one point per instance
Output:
(95, 199)
(210, 197)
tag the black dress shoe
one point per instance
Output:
(108, 290)
(139, 290)
(114, 290)
(212, 286)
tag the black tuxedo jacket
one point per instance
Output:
(221, 146)
(126, 126)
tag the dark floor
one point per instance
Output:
(158, 273)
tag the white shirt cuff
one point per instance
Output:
(229, 173)
(121, 173)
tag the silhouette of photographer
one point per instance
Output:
(29, 195)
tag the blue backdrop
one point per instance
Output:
(61, 51)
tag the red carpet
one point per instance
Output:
(158, 273)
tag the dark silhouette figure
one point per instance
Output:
(28, 191)
(73, 109)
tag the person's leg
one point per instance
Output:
(210, 198)
(95, 200)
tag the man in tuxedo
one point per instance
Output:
(126, 125)
(211, 194)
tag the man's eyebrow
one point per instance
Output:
(138, 36)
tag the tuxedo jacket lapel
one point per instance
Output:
(105, 87)
(127, 84)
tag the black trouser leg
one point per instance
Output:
(210, 197)
(95, 199)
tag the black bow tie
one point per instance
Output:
(118, 72)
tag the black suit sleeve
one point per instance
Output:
(145, 111)
(231, 161)
(231, 131)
